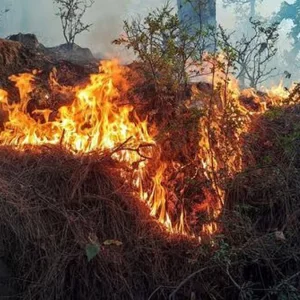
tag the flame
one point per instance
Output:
(95, 121)
(221, 130)
(278, 91)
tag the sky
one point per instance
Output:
(106, 15)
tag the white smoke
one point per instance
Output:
(38, 16)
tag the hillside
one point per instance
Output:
(110, 190)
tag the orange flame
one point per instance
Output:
(95, 121)
(221, 131)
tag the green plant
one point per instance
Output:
(164, 47)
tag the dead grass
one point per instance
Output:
(53, 204)
(261, 219)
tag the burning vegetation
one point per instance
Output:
(100, 170)
(101, 120)
(158, 180)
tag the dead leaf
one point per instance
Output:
(113, 243)
(279, 235)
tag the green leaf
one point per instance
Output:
(112, 242)
(91, 251)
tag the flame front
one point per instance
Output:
(95, 121)
(221, 128)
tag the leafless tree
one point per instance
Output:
(241, 3)
(253, 54)
(71, 13)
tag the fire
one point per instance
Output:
(221, 130)
(98, 120)
(95, 121)
(278, 91)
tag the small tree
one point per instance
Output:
(71, 13)
(253, 54)
(165, 48)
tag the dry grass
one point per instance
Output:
(53, 204)
(261, 221)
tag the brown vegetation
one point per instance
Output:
(53, 205)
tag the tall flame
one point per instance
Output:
(95, 121)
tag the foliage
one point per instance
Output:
(253, 54)
(164, 47)
(92, 251)
(261, 226)
(71, 13)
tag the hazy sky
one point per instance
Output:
(106, 15)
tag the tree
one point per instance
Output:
(197, 15)
(291, 12)
(253, 54)
(165, 48)
(71, 13)
(241, 3)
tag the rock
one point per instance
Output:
(75, 54)
(28, 40)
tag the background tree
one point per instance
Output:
(291, 12)
(198, 15)
(240, 4)
(253, 54)
(71, 13)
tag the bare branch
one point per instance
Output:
(71, 13)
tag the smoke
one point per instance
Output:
(107, 18)
(38, 16)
